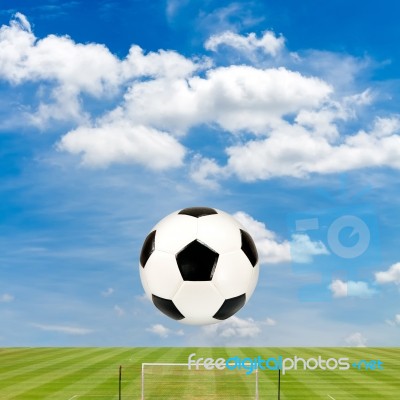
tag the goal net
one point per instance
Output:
(176, 381)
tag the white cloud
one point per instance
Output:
(270, 322)
(235, 98)
(233, 327)
(303, 249)
(392, 275)
(157, 97)
(143, 298)
(271, 249)
(280, 155)
(72, 69)
(119, 311)
(21, 21)
(90, 68)
(69, 330)
(356, 340)
(173, 7)
(162, 64)
(269, 43)
(164, 332)
(120, 142)
(203, 168)
(395, 321)
(233, 17)
(6, 298)
(360, 289)
(108, 292)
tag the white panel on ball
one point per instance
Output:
(199, 321)
(233, 274)
(144, 282)
(219, 232)
(236, 222)
(174, 232)
(253, 281)
(162, 274)
(198, 300)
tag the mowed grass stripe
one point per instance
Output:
(32, 376)
(23, 358)
(370, 384)
(220, 385)
(236, 383)
(163, 354)
(132, 370)
(195, 387)
(164, 382)
(324, 382)
(31, 370)
(66, 369)
(327, 381)
(131, 375)
(28, 360)
(102, 381)
(384, 383)
(96, 373)
(71, 380)
(267, 379)
(347, 378)
(292, 385)
(391, 363)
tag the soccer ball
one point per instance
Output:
(199, 265)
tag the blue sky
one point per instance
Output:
(116, 113)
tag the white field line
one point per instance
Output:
(88, 395)
(330, 397)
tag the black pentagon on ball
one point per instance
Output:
(249, 248)
(167, 307)
(147, 248)
(197, 262)
(197, 212)
(230, 306)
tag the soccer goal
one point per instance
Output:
(176, 381)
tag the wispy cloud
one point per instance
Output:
(235, 16)
(119, 310)
(360, 289)
(22, 21)
(236, 328)
(108, 292)
(269, 43)
(164, 332)
(6, 298)
(270, 322)
(392, 275)
(356, 340)
(65, 329)
(272, 249)
(395, 321)
(143, 298)
(173, 7)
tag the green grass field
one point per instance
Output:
(92, 374)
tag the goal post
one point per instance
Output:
(181, 380)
